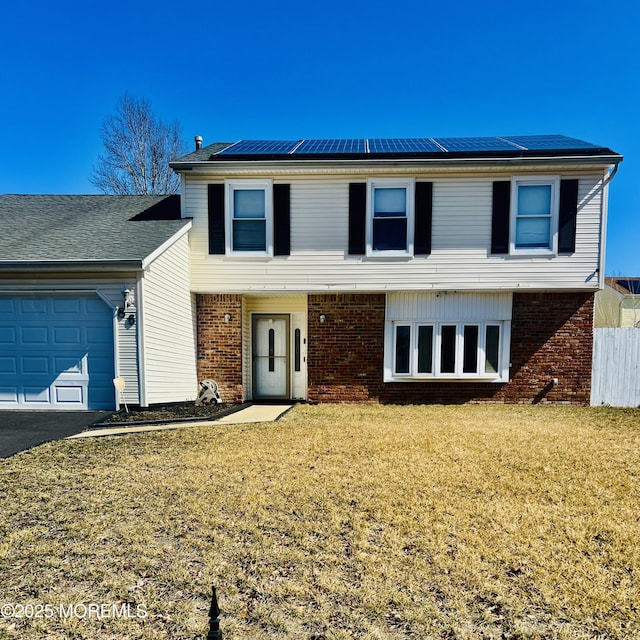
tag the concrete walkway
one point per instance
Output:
(251, 414)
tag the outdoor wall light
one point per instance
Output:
(128, 301)
(227, 317)
(323, 318)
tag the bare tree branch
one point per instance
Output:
(137, 150)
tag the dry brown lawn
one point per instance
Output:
(336, 522)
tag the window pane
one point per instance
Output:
(297, 349)
(390, 234)
(272, 345)
(249, 235)
(470, 359)
(534, 200)
(403, 347)
(448, 349)
(425, 349)
(491, 349)
(389, 202)
(533, 232)
(248, 203)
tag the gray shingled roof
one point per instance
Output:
(72, 228)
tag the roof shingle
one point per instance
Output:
(85, 228)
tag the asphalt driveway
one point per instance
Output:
(21, 430)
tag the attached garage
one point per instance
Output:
(56, 352)
(93, 288)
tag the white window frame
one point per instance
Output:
(547, 180)
(501, 375)
(236, 185)
(391, 183)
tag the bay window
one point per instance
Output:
(450, 350)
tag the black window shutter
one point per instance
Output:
(357, 218)
(281, 219)
(500, 217)
(567, 216)
(423, 216)
(216, 218)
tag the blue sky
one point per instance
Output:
(330, 69)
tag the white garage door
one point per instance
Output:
(56, 352)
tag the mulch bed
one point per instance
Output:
(174, 412)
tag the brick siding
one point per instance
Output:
(551, 337)
(220, 343)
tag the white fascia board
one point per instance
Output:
(165, 245)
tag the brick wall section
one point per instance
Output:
(344, 358)
(220, 343)
(551, 335)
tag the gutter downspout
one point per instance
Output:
(142, 371)
(605, 218)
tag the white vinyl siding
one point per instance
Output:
(461, 241)
(169, 327)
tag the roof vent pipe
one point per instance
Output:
(198, 140)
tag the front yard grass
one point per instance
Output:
(336, 522)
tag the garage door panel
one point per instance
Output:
(8, 335)
(29, 306)
(69, 395)
(34, 335)
(37, 395)
(67, 335)
(7, 306)
(68, 305)
(97, 337)
(9, 395)
(35, 365)
(98, 364)
(93, 306)
(8, 364)
(57, 353)
(69, 364)
(100, 397)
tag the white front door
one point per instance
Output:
(270, 356)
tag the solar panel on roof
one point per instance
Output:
(402, 145)
(399, 146)
(254, 147)
(630, 285)
(475, 144)
(345, 145)
(550, 142)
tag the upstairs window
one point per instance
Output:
(534, 215)
(390, 217)
(249, 218)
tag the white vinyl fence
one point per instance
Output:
(616, 368)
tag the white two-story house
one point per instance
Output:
(370, 270)
(397, 270)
